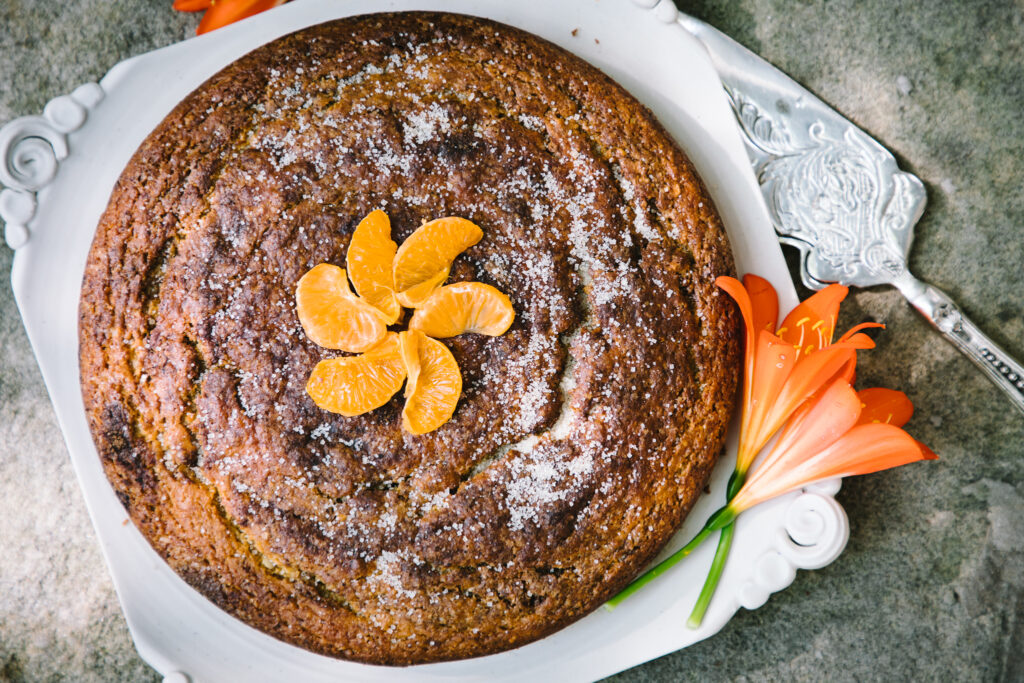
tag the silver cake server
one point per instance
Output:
(837, 195)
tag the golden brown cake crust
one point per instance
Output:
(344, 535)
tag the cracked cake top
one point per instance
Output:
(583, 434)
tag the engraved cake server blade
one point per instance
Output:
(837, 195)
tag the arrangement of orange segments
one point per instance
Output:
(387, 277)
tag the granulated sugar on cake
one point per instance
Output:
(584, 433)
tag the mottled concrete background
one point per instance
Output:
(931, 586)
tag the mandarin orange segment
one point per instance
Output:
(354, 385)
(425, 257)
(416, 295)
(332, 315)
(464, 307)
(436, 389)
(370, 261)
(409, 345)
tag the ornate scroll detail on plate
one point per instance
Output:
(832, 192)
(31, 149)
(664, 10)
(814, 534)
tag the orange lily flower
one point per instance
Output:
(223, 12)
(797, 379)
(785, 368)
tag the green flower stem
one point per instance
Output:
(721, 552)
(735, 484)
(715, 573)
(722, 517)
(658, 569)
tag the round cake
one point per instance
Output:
(583, 434)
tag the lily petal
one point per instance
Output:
(764, 302)
(734, 288)
(224, 12)
(884, 405)
(864, 449)
(811, 324)
(849, 371)
(773, 364)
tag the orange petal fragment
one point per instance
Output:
(812, 323)
(425, 258)
(354, 385)
(463, 307)
(885, 405)
(370, 260)
(332, 315)
(224, 12)
(436, 389)
(192, 5)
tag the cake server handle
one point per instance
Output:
(946, 316)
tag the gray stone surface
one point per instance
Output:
(931, 586)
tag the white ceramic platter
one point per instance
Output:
(59, 170)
